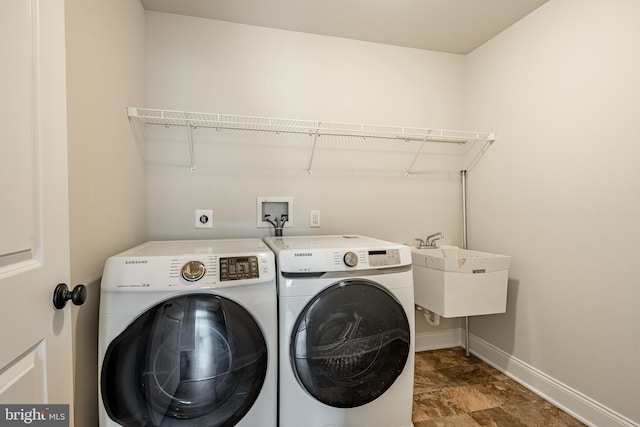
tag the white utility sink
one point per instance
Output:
(454, 282)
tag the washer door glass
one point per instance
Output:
(350, 343)
(193, 360)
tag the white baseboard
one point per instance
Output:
(569, 400)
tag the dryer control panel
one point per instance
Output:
(236, 268)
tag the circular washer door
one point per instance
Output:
(350, 343)
(193, 360)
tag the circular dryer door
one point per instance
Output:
(193, 360)
(350, 343)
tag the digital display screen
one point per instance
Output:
(377, 252)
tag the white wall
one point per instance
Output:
(559, 192)
(212, 66)
(105, 73)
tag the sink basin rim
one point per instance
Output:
(455, 259)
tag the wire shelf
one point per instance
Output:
(316, 129)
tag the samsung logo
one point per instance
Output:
(141, 261)
(303, 254)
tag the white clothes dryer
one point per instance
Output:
(188, 335)
(346, 328)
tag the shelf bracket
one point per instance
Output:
(316, 135)
(415, 158)
(137, 130)
(490, 140)
(190, 137)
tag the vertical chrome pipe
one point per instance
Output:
(466, 335)
(463, 179)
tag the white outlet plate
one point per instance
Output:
(203, 218)
(314, 218)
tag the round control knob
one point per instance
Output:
(193, 271)
(350, 259)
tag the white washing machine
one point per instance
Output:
(346, 328)
(188, 335)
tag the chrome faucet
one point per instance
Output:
(430, 242)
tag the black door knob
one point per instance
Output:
(62, 294)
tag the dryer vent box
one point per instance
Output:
(275, 207)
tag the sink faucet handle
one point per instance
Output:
(432, 238)
(421, 244)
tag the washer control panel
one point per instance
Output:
(384, 257)
(237, 268)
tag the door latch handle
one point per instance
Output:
(62, 294)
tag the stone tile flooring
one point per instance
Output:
(453, 390)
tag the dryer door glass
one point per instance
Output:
(350, 343)
(194, 360)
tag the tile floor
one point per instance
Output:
(453, 390)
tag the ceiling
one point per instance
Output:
(453, 26)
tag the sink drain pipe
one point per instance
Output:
(463, 179)
(432, 318)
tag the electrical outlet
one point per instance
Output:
(204, 218)
(314, 218)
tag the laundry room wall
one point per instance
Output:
(105, 60)
(202, 65)
(559, 193)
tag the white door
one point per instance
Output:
(35, 354)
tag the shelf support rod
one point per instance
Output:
(490, 139)
(190, 137)
(316, 135)
(138, 134)
(415, 158)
